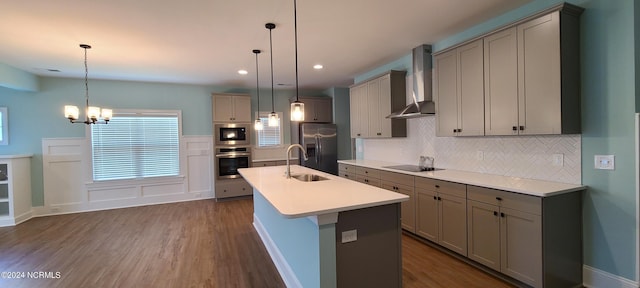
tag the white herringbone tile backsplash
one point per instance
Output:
(517, 156)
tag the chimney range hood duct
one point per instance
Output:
(422, 104)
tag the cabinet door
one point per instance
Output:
(407, 208)
(452, 217)
(471, 89)
(359, 115)
(320, 110)
(483, 231)
(539, 75)
(384, 108)
(521, 246)
(222, 108)
(373, 104)
(427, 214)
(241, 109)
(446, 91)
(501, 83)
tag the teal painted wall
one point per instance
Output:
(37, 115)
(609, 78)
(297, 239)
(11, 77)
(342, 119)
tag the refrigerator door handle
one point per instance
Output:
(319, 139)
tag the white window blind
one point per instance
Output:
(269, 136)
(136, 145)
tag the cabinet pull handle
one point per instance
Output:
(378, 133)
(366, 180)
(366, 172)
(521, 127)
(454, 130)
(495, 213)
(502, 214)
(435, 198)
(358, 134)
(515, 128)
(498, 198)
(437, 186)
(439, 199)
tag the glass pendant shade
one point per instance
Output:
(107, 114)
(274, 121)
(297, 111)
(93, 112)
(258, 125)
(71, 112)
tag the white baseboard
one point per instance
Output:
(289, 278)
(596, 278)
(42, 211)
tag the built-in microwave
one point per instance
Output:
(232, 134)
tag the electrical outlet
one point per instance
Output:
(479, 155)
(558, 160)
(349, 236)
(605, 162)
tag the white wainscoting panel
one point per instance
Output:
(68, 187)
(199, 150)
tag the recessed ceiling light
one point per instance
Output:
(243, 72)
(317, 66)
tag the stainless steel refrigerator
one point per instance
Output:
(321, 143)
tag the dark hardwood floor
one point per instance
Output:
(189, 244)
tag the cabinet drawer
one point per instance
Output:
(445, 187)
(348, 175)
(395, 187)
(346, 168)
(281, 162)
(506, 199)
(375, 173)
(398, 178)
(368, 180)
(264, 163)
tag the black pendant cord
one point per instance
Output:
(295, 28)
(270, 26)
(257, 82)
(86, 80)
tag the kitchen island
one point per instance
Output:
(328, 233)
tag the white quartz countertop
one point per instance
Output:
(513, 184)
(294, 198)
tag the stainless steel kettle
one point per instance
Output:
(425, 163)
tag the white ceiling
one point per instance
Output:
(208, 41)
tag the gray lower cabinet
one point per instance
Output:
(532, 239)
(368, 176)
(442, 213)
(402, 183)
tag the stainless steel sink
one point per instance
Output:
(309, 177)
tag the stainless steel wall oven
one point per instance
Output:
(230, 159)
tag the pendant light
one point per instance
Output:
(258, 124)
(273, 117)
(297, 107)
(94, 115)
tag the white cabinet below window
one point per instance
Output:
(231, 108)
(15, 190)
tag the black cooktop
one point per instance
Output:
(411, 168)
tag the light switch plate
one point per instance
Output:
(349, 236)
(605, 162)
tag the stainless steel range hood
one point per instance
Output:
(422, 104)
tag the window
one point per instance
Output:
(269, 136)
(4, 126)
(136, 144)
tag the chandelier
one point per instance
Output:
(94, 115)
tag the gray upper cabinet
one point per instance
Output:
(317, 109)
(231, 108)
(371, 101)
(459, 91)
(532, 76)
